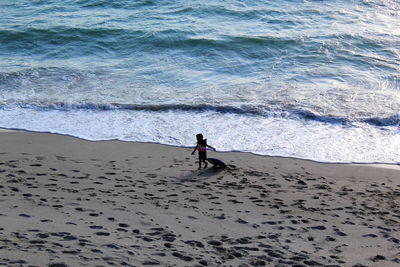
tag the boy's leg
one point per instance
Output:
(202, 157)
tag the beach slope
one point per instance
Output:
(69, 202)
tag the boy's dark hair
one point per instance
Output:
(199, 136)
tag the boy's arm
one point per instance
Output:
(194, 150)
(211, 147)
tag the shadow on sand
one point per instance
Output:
(203, 173)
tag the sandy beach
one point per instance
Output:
(69, 202)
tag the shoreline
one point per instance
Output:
(73, 202)
(395, 166)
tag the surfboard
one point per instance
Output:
(217, 162)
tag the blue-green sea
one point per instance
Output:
(318, 80)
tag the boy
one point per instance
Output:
(202, 148)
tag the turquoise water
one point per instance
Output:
(310, 79)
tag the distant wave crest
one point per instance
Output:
(120, 40)
(288, 112)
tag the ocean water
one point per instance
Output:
(313, 79)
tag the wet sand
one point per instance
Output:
(69, 202)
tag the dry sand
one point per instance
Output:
(69, 202)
